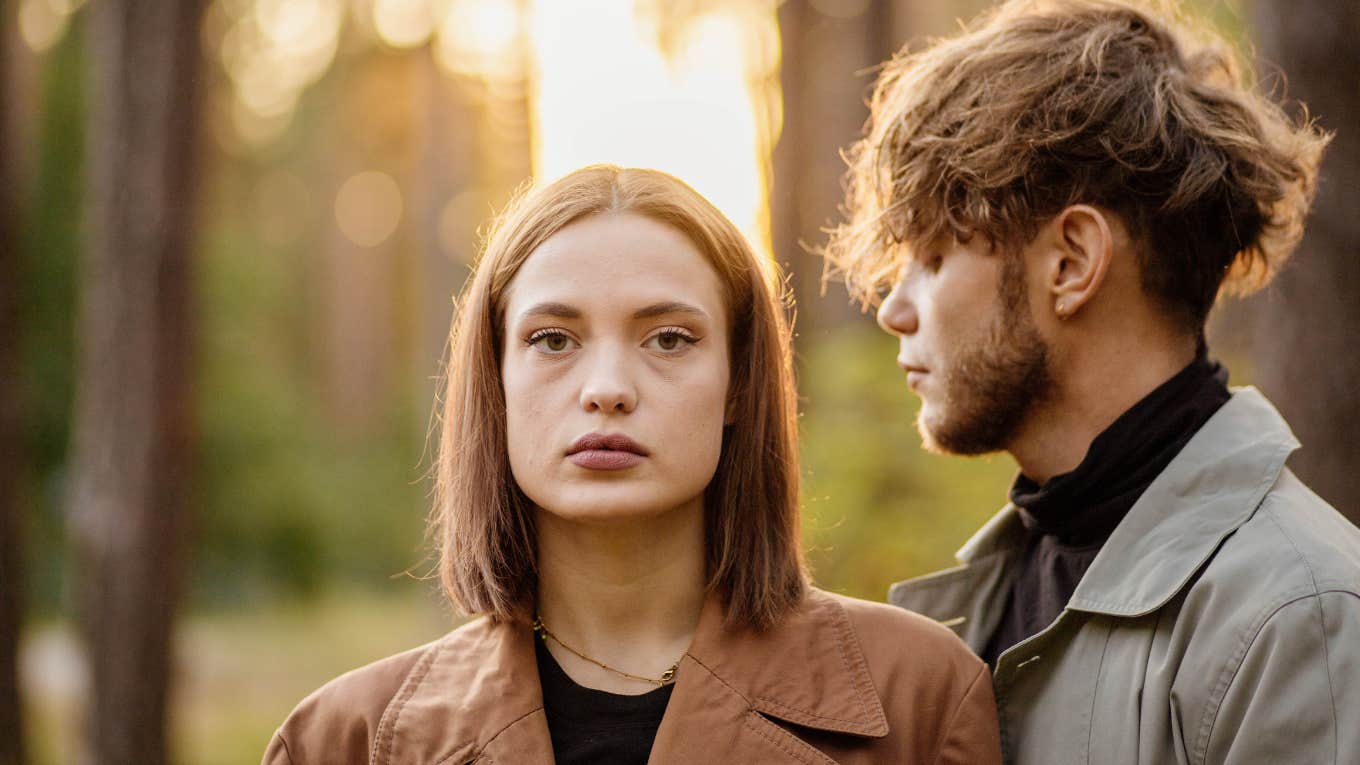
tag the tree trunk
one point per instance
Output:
(132, 426)
(825, 75)
(11, 458)
(1306, 323)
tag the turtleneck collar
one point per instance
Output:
(1083, 507)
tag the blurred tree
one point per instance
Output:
(132, 424)
(11, 460)
(827, 48)
(1306, 324)
(831, 51)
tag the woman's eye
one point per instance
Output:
(671, 340)
(551, 342)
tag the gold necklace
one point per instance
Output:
(667, 676)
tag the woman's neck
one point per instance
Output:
(626, 593)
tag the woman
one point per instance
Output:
(617, 495)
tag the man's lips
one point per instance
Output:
(599, 451)
(915, 373)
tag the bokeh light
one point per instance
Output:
(481, 38)
(43, 22)
(272, 50)
(404, 23)
(368, 208)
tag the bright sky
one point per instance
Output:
(604, 92)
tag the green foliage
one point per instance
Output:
(877, 507)
(287, 504)
(52, 219)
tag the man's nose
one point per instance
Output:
(609, 386)
(897, 314)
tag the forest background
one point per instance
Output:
(230, 234)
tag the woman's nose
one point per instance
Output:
(609, 387)
(897, 314)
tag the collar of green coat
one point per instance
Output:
(1210, 489)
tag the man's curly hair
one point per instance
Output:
(1046, 103)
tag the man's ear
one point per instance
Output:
(1081, 248)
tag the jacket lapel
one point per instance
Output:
(809, 671)
(1209, 490)
(476, 693)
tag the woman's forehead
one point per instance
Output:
(623, 261)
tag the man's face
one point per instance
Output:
(968, 344)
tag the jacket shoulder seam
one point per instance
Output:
(1233, 666)
(283, 741)
(983, 671)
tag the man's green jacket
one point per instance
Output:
(1219, 624)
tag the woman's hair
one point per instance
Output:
(482, 523)
(1046, 103)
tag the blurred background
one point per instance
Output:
(230, 235)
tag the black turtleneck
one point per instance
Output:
(1070, 517)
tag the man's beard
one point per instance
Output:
(991, 388)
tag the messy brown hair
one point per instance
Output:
(482, 524)
(1042, 104)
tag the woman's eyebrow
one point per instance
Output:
(668, 307)
(555, 310)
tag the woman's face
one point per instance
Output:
(615, 370)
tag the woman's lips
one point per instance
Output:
(599, 451)
(605, 459)
(914, 378)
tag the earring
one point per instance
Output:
(1061, 309)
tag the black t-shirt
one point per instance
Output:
(1071, 516)
(590, 726)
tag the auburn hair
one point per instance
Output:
(1042, 104)
(482, 524)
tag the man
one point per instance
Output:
(1054, 199)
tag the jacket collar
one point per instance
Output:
(808, 670)
(477, 691)
(1210, 489)
(474, 685)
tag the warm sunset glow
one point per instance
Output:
(604, 91)
(691, 89)
(479, 38)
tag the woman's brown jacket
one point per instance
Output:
(838, 680)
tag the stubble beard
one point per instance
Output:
(991, 388)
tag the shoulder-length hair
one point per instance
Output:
(482, 524)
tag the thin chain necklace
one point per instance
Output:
(666, 677)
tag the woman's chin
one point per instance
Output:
(613, 507)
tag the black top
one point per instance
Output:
(590, 726)
(1070, 517)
